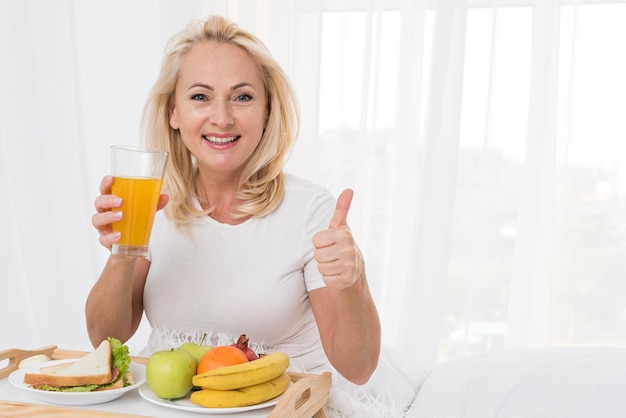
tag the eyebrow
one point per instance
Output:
(235, 87)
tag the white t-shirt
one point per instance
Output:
(252, 278)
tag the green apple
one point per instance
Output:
(196, 350)
(169, 373)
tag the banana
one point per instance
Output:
(245, 396)
(253, 372)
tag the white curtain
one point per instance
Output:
(485, 141)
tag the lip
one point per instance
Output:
(220, 141)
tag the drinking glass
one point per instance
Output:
(138, 176)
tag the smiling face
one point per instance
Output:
(220, 108)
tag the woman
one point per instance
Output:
(241, 247)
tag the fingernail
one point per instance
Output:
(118, 214)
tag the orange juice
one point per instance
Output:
(141, 196)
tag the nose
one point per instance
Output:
(222, 115)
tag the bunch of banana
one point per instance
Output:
(243, 384)
(249, 395)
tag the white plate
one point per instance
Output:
(76, 398)
(184, 404)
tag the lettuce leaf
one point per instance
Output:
(85, 388)
(121, 359)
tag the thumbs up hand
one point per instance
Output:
(339, 259)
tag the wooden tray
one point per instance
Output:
(10, 409)
(307, 397)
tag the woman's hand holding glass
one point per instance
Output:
(105, 214)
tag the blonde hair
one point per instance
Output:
(262, 182)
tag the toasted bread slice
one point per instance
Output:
(93, 369)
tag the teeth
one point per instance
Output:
(216, 140)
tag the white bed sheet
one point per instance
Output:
(565, 382)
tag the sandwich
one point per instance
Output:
(103, 369)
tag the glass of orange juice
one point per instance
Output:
(138, 174)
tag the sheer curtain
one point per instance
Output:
(485, 142)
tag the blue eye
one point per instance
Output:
(243, 98)
(199, 97)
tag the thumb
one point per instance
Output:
(163, 200)
(340, 217)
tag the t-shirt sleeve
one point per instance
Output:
(318, 218)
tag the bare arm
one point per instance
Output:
(350, 330)
(115, 304)
(344, 310)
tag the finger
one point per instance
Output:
(104, 203)
(102, 221)
(331, 268)
(107, 240)
(163, 199)
(340, 217)
(339, 281)
(105, 184)
(324, 254)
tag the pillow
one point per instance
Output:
(563, 382)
